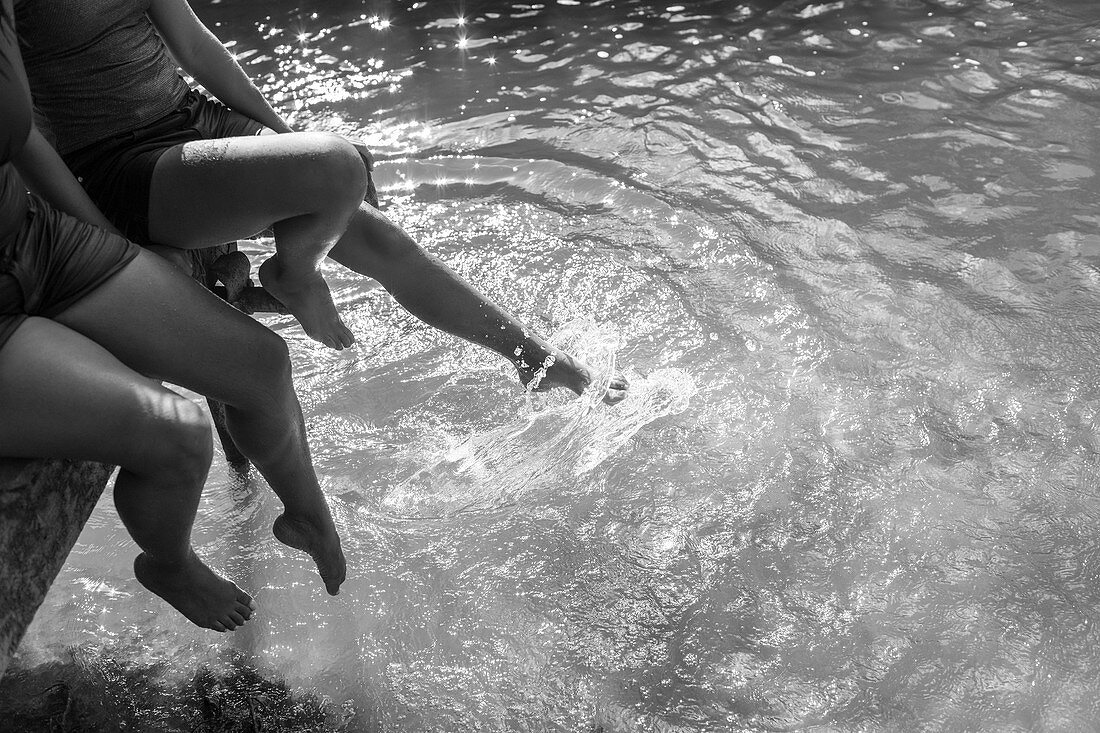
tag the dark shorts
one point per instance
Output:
(53, 261)
(118, 171)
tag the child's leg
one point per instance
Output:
(304, 186)
(65, 396)
(160, 323)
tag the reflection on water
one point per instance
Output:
(849, 252)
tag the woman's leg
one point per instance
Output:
(65, 396)
(218, 190)
(434, 293)
(305, 188)
(161, 324)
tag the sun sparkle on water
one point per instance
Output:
(875, 511)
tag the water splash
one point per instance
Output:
(556, 439)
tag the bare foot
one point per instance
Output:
(204, 597)
(320, 543)
(308, 299)
(562, 370)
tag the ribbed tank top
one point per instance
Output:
(97, 68)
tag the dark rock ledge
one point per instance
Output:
(43, 506)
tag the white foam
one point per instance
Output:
(537, 451)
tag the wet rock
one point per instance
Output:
(43, 506)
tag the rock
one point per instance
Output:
(43, 506)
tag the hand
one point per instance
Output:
(368, 159)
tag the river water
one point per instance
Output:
(849, 254)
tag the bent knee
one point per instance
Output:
(337, 167)
(271, 364)
(265, 378)
(173, 436)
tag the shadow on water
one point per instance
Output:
(93, 692)
(100, 688)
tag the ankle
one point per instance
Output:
(316, 519)
(166, 562)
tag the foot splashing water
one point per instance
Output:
(557, 437)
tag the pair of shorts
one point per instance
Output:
(118, 171)
(53, 261)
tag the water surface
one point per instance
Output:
(848, 253)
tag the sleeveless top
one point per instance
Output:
(97, 68)
(15, 124)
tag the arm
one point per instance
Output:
(202, 55)
(43, 171)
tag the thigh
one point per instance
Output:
(63, 395)
(208, 192)
(162, 324)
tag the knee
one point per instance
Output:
(176, 440)
(267, 374)
(338, 169)
(272, 362)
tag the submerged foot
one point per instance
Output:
(320, 543)
(562, 370)
(204, 597)
(308, 299)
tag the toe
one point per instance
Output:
(236, 618)
(244, 611)
(219, 627)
